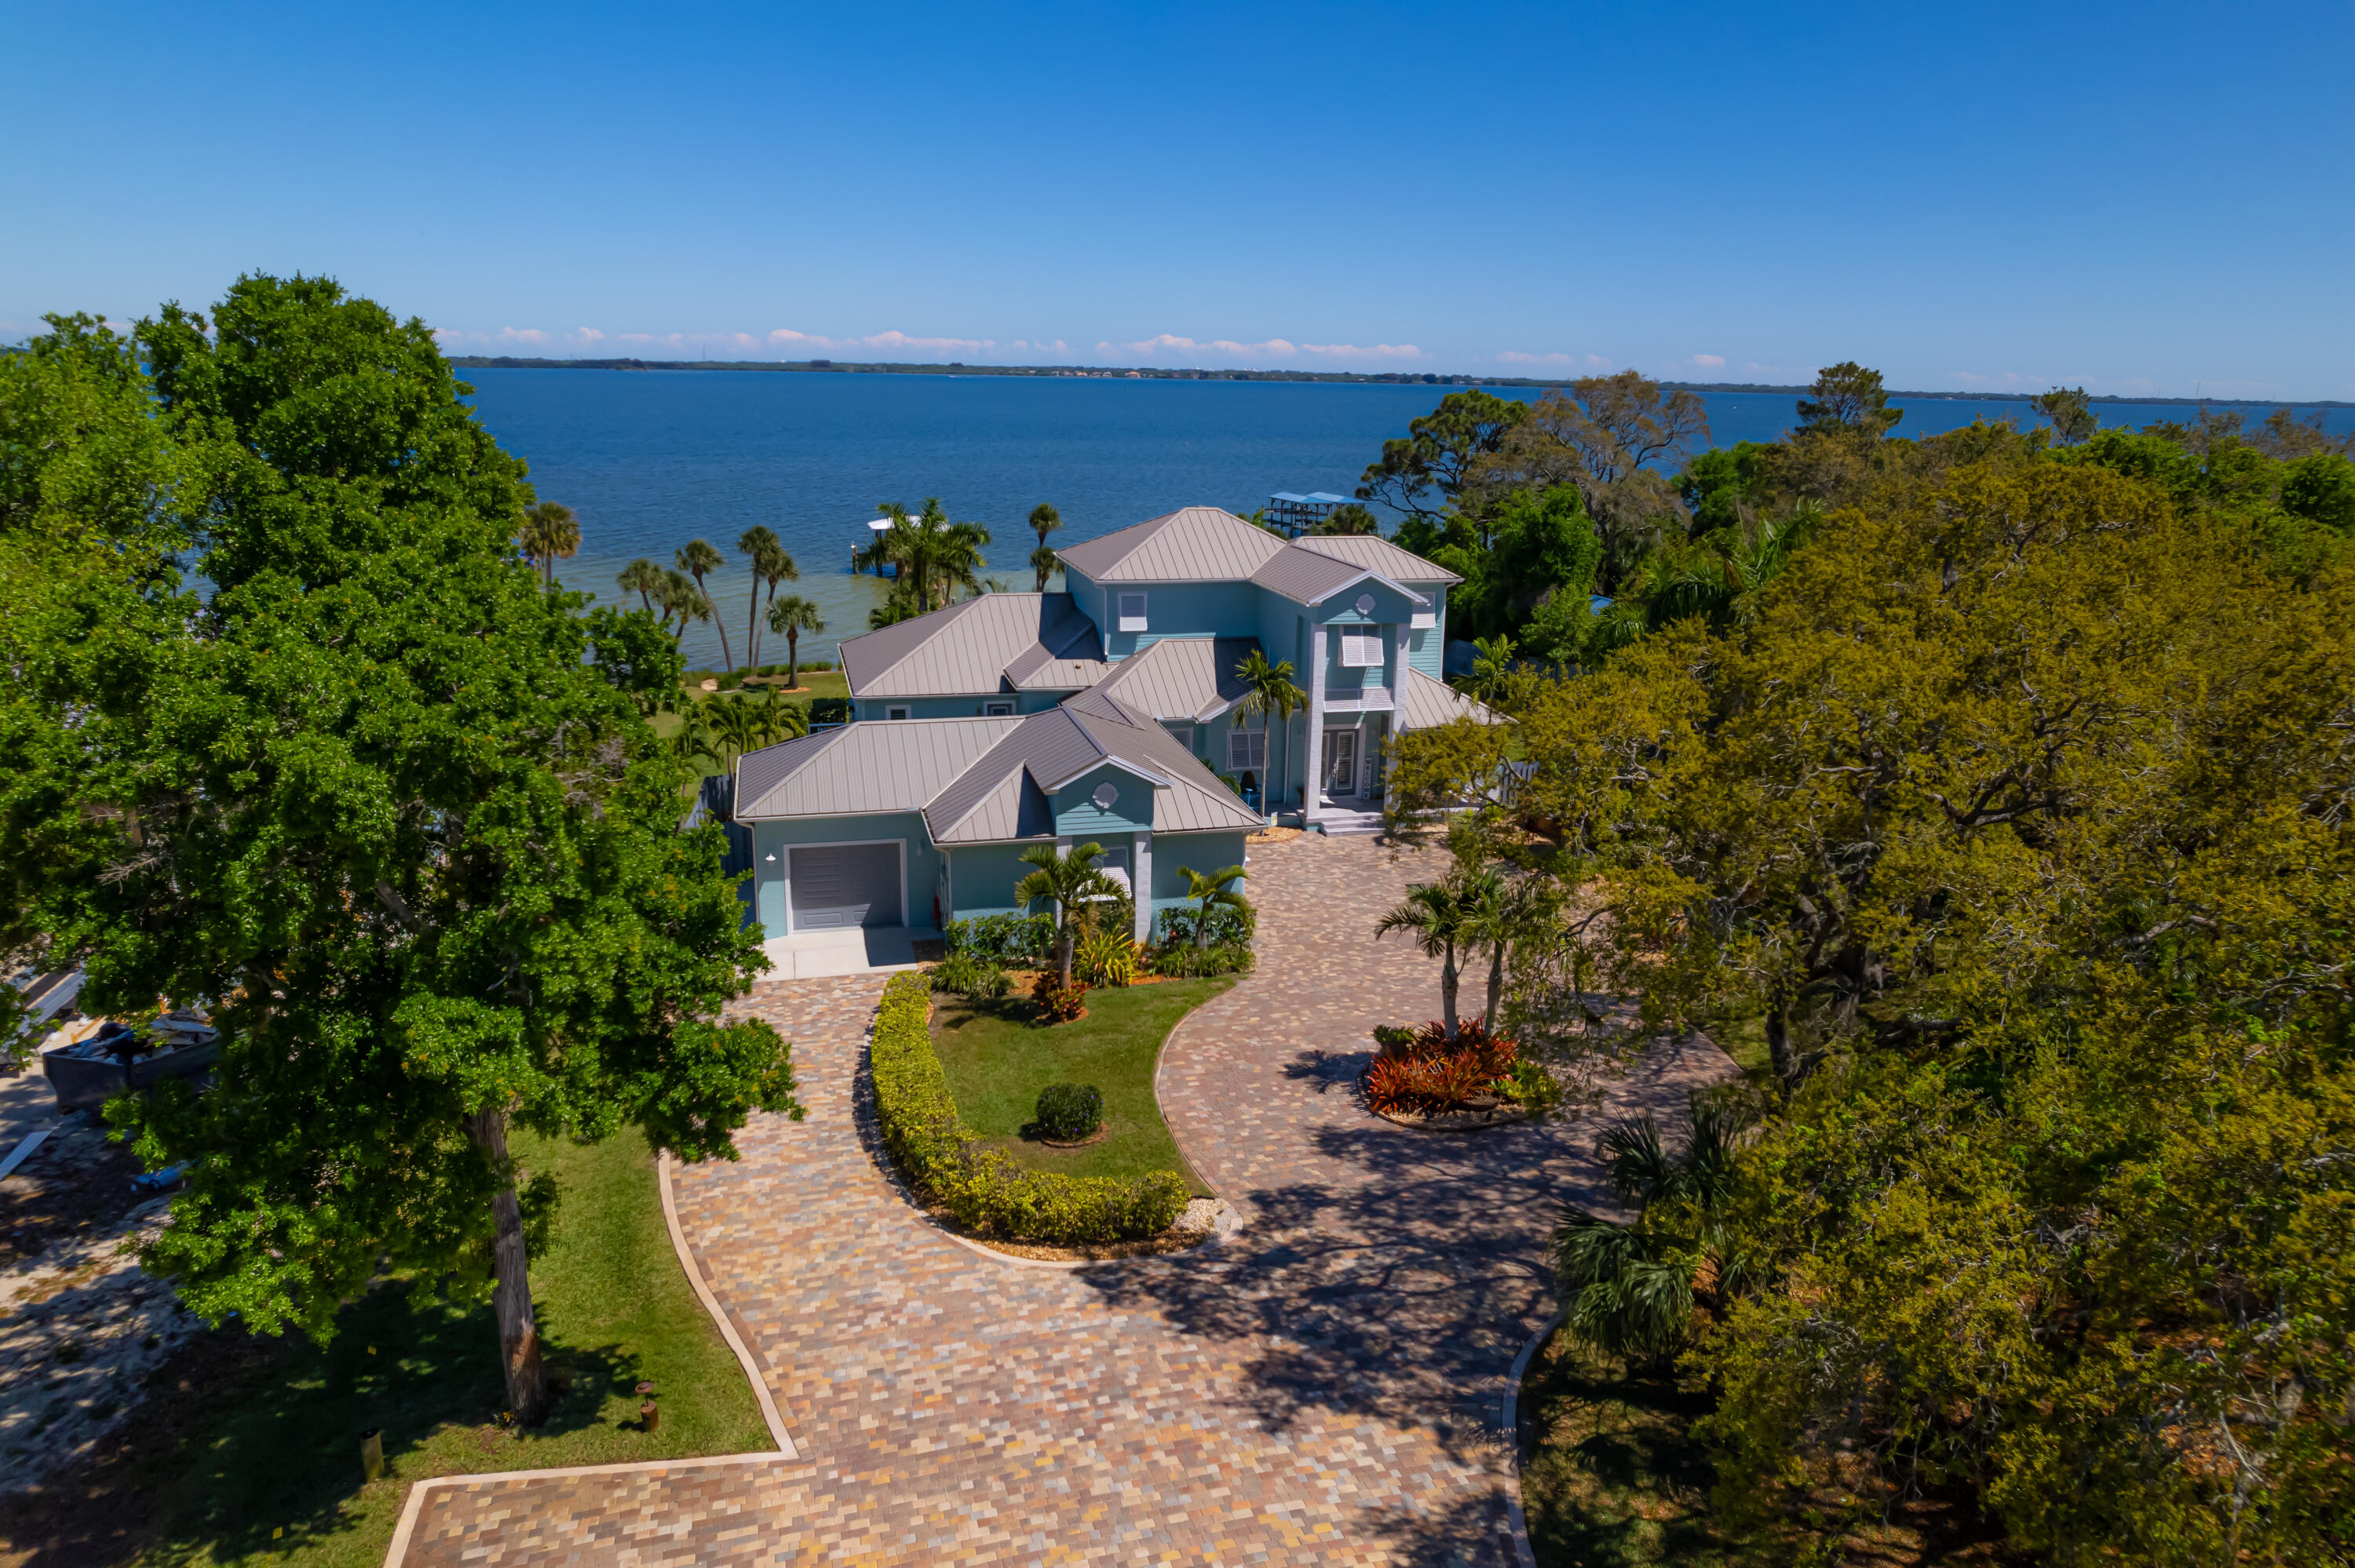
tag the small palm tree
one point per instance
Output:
(1632, 1289)
(1269, 694)
(1045, 520)
(771, 566)
(696, 557)
(1064, 880)
(644, 578)
(793, 615)
(1434, 916)
(694, 737)
(1214, 891)
(680, 597)
(550, 532)
(735, 726)
(1493, 676)
(1043, 561)
(1492, 919)
(778, 719)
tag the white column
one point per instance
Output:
(1313, 784)
(1140, 877)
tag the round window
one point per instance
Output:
(1364, 604)
(1105, 796)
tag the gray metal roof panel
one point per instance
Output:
(877, 766)
(1423, 702)
(1016, 808)
(1377, 555)
(1193, 800)
(1181, 677)
(1194, 544)
(966, 648)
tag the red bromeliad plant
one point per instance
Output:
(1435, 1076)
(1057, 1002)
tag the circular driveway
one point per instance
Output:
(1322, 1388)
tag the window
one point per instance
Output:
(1246, 749)
(998, 710)
(1132, 612)
(1362, 648)
(896, 711)
(1183, 734)
(1425, 620)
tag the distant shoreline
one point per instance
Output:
(1343, 377)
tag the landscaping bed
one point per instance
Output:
(248, 1450)
(1115, 1197)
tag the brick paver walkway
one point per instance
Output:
(1323, 1389)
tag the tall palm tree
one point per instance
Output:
(1045, 520)
(550, 532)
(793, 615)
(1435, 916)
(1269, 695)
(1214, 890)
(771, 566)
(932, 554)
(1631, 1289)
(696, 557)
(1043, 561)
(644, 578)
(1064, 880)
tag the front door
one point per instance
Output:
(1341, 762)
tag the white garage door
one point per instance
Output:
(839, 886)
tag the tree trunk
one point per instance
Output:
(719, 624)
(793, 658)
(752, 625)
(511, 1298)
(1064, 948)
(1496, 986)
(1203, 930)
(1447, 992)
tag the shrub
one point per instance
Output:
(983, 1189)
(1187, 962)
(731, 681)
(1069, 1112)
(1057, 1002)
(1105, 958)
(971, 977)
(1435, 1076)
(1021, 940)
(829, 710)
(1228, 927)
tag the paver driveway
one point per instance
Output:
(1323, 1388)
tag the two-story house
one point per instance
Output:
(1105, 714)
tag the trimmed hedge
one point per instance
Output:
(926, 1135)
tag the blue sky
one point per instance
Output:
(2147, 198)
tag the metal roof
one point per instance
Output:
(1039, 670)
(1423, 702)
(1192, 544)
(1016, 808)
(1324, 498)
(881, 766)
(1180, 677)
(968, 648)
(1376, 555)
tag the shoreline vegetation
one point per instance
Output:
(1344, 377)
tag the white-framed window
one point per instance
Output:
(1180, 731)
(1246, 749)
(1132, 612)
(1424, 620)
(998, 710)
(898, 711)
(1361, 648)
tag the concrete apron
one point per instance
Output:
(814, 955)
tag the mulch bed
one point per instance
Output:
(75, 1182)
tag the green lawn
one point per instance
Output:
(267, 1438)
(997, 1060)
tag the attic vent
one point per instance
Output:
(1132, 612)
(1106, 797)
(1364, 604)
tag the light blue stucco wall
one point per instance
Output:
(771, 838)
(982, 879)
(1079, 817)
(1205, 852)
(1425, 648)
(1173, 609)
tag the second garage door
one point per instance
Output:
(841, 886)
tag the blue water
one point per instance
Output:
(653, 459)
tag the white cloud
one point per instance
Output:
(901, 340)
(587, 336)
(523, 334)
(1169, 344)
(1711, 361)
(1371, 351)
(1591, 360)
